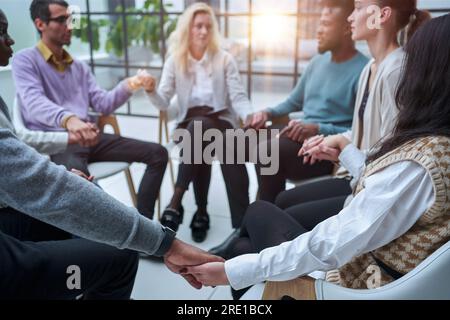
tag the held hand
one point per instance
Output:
(258, 120)
(74, 138)
(134, 83)
(320, 148)
(181, 255)
(299, 131)
(210, 274)
(295, 130)
(88, 133)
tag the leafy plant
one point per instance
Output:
(142, 28)
(83, 32)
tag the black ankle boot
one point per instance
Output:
(222, 250)
(199, 226)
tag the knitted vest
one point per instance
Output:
(430, 232)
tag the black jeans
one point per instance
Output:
(35, 259)
(291, 167)
(117, 148)
(235, 175)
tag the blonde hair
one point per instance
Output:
(179, 40)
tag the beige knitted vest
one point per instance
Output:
(430, 232)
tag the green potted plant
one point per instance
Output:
(144, 31)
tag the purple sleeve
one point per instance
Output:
(104, 101)
(35, 104)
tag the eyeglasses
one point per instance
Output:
(61, 19)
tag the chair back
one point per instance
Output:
(430, 280)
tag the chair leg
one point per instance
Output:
(172, 176)
(300, 289)
(131, 187)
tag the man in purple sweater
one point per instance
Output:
(55, 92)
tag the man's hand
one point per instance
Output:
(87, 133)
(320, 148)
(210, 274)
(299, 132)
(258, 120)
(134, 83)
(181, 255)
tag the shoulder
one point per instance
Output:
(28, 55)
(391, 67)
(223, 56)
(169, 64)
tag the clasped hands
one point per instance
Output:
(296, 130)
(320, 148)
(143, 80)
(197, 267)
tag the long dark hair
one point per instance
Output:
(423, 95)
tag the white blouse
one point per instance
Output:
(391, 203)
(202, 88)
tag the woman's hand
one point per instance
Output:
(209, 274)
(320, 148)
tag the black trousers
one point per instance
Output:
(296, 211)
(35, 261)
(117, 148)
(235, 175)
(291, 167)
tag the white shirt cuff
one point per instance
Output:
(353, 159)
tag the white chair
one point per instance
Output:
(100, 170)
(430, 280)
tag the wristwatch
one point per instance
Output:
(169, 237)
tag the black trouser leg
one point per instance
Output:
(40, 269)
(329, 188)
(116, 148)
(201, 186)
(235, 175)
(237, 184)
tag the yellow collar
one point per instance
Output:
(50, 57)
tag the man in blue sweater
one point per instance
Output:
(42, 205)
(325, 94)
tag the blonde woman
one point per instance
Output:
(207, 83)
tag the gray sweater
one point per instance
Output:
(31, 184)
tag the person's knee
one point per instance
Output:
(163, 155)
(256, 211)
(157, 155)
(280, 200)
